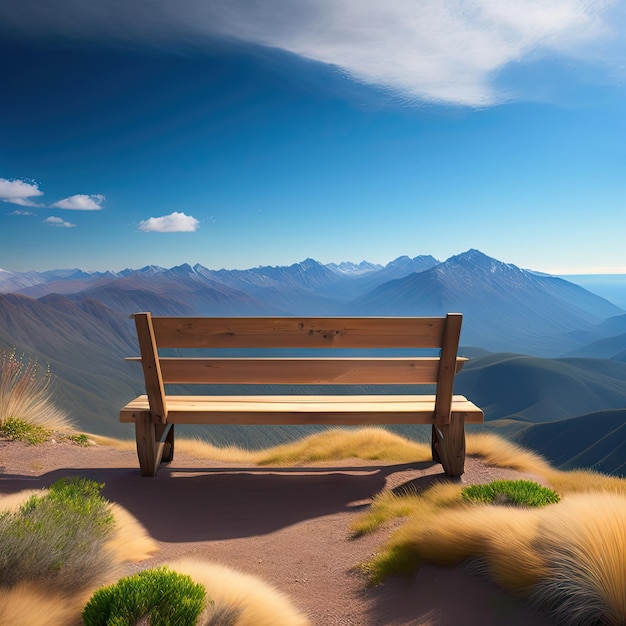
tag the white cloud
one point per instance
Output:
(58, 222)
(173, 223)
(81, 202)
(446, 51)
(428, 50)
(19, 192)
(21, 212)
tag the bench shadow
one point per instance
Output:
(197, 504)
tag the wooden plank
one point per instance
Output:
(299, 332)
(339, 371)
(298, 409)
(196, 370)
(151, 367)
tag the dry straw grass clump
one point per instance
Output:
(494, 450)
(371, 444)
(239, 599)
(582, 545)
(25, 394)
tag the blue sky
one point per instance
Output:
(237, 134)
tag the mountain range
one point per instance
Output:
(541, 348)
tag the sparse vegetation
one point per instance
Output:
(25, 394)
(79, 439)
(166, 597)
(513, 492)
(57, 538)
(15, 429)
(569, 558)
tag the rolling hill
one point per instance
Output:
(532, 389)
(596, 440)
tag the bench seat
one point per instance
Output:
(303, 409)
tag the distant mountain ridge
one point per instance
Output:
(78, 322)
(505, 308)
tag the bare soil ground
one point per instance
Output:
(287, 526)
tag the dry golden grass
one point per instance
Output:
(371, 444)
(227, 454)
(239, 597)
(495, 450)
(110, 442)
(582, 543)
(25, 394)
(388, 505)
(585, 481)
(26, 604)
(130, 541)
(13, 501)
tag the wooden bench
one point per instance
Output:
(155, 413)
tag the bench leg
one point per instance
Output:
(168, 448)
(448, 446)
(151, 441)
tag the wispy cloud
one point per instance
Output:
(434, 50)
(81, 202)
(58, 222)
(19, 192)
(20, 212)
(175, 222)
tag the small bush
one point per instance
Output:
(514, 492)
(15, 429)
(79, 440)
(167, 597)
(57, 538)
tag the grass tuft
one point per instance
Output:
(370, 444)
(495, 450)
(25, 394)
(512, 492)
(79, 439)
(582, 543)
(58, 538)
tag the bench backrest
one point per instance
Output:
(440, 333)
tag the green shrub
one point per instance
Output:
(514, 492)
(15, 429)
(57, 538)
(79, 440)
(167, 597)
